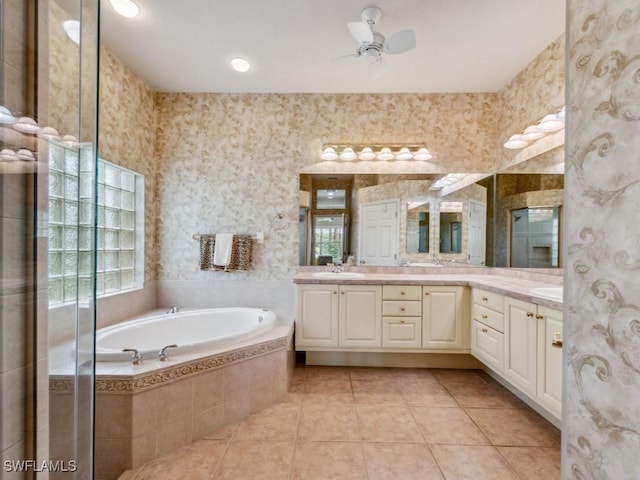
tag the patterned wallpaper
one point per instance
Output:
(127, 136)
(602, 309)
(537, 90)
(230, 162)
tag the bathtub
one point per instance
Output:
(191, 330)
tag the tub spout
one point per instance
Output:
(173, 309)
(163, 354)
(136, 357)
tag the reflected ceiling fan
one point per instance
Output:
(373, 44)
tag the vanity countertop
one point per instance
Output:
(514, 286)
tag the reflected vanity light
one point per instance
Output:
(24, 154)
(447, 180)
(8, 155)
(70, 141)
(26, 125)
(72, 29)
(49, 133)
(6, 116)
(550, 123)
(126, 8)
(241, 65)
(371, 152)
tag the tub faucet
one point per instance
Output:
(136, 357)
(173, 309)
(163, 354)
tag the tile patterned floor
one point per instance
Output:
(376, 424)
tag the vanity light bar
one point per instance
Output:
(549, 124)
(401, 152)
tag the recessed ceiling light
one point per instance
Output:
(240, 64)
(126, 8)
(72, 28)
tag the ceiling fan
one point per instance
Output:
(373, 44)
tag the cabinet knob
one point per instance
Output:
(539, 316)
(335, 293)
(401, 321)
(402, 309)
(485, 316)
(426, 293)
(484, 299)
(484, 330)
(341, 293)
(529, 314)
(401, 293)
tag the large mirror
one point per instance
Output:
(434, 226)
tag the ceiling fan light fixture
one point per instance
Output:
(404, 154)
(240, 64)
(385, 154)
(422, 154)
(329, 153)
(366, 154)
(348, 154)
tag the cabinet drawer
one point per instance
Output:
(491, 300)
(399, 308)
(401, 332)
(488, 317)
(487, 345)
(402, 292)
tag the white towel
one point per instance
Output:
(222, 250)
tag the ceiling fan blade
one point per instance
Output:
(400, 42)
(360, 31)
(378, 69)
(347, 58)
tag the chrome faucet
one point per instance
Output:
(163, 354)
(136, 357)
(173, 309)
(337, 268)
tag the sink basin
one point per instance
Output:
(552, 293)
(338, 275)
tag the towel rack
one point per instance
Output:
(258, 236)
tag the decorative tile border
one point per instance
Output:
(138, 383)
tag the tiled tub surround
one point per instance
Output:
(144, 411)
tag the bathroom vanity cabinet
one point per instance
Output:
(339, 316)
(521, 342)
(382, 318)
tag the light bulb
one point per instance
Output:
(515, 142)
(385, 154)
(366, 154)
(404, 154)
(329, 153)
(422, 154)
(348, 154)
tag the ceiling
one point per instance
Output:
(462, 45)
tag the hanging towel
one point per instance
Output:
(206, 251)
(222, 250)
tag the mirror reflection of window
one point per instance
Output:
(330, 199)
(535, 237)
(328, 239)
(418, 227)
(451, 227)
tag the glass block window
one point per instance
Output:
(119, 227)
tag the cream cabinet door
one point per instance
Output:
(445, 317)
(550, 360)
(360, 323)
(487, 345)
(317, 316)
(520, 334)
